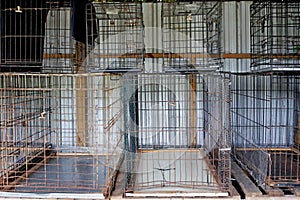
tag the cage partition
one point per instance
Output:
(60, 133)
(275, 36)
(191, 35)
(178, 135)
(265, 122)
(118, 45)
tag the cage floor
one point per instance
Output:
(66, 174)
(175, 171)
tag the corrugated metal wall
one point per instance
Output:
(263, 109)
(236, 34)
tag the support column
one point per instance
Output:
(193, 106)
(81, 111)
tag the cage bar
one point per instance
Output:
(178, 138)
(275, 36)
(191, 35)
(265, 114)
(35, 35)
(60, 133)
(118, 45)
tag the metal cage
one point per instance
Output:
(265, 122)
(60, 133)
(36, 35)
(191, 34)
(116, 37)
(275, 36)
(178, 135)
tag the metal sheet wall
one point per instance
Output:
(236, 34)
(263, 109)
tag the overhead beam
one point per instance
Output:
(173, 55)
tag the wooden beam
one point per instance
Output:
(174, 55)
(248, 187)
(112, 182)
(193, 106)
(275, 56)
(236, 56)
(81, 111)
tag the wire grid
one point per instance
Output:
(35, 34)
(58, 52)
(60, 133)
(275, 35)
(178, 135)
(251, 157)
(119, 44)
(265, 118)
(191, 35)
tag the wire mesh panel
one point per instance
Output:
(60, 134)
(275, 35)
(191, 35)
(119, 44)
(58, 52)
(265, 118)
(178, 136)
(251, 157)
(34, 30)
(25, 126)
